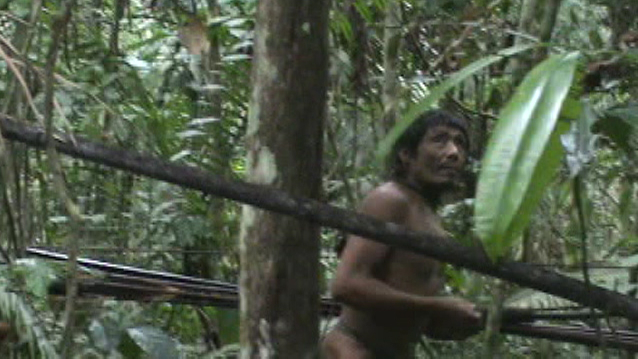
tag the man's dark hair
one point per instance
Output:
(412, 136)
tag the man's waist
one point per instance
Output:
(399, 330)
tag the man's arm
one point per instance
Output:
(356, 283)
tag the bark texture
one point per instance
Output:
(280, 255)
(391, 45)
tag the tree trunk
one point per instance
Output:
(280, 255)
(547, 26)
(521, 64)
(493, 337)
(391, 44)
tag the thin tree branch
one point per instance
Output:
(60, 22)
(578, 190)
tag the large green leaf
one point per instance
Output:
(618, 123)
(522, 154)
(437, 92)
(148, 342)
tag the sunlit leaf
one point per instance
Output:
(579, 143)
(342, 25)
(104, 335)
(180, 155)
(522, 154)
(17, 312)
(236, 57)
(364, 10)
(437, 92)
(631, 261)
(210, 88)
(190, 134)
(37, 275)
(151, 341)
(238, 21)
(218, 20)
(202, 121)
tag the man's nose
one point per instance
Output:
(452, 151)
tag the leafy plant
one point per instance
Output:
(523, 154)
(148, 342)
(32, 341)
(437, 92)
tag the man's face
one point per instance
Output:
(439, 157)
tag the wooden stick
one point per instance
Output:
(440, 248)
(130, 283)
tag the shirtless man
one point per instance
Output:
(390, 297)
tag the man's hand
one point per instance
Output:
(454, 319)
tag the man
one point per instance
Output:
(390, 297)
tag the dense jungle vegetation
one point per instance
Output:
(172, 78)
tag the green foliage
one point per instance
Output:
(148, 342)
(522, 155)
(33, 341)
(439, 91)
(35, 275)
(132, 82)
(618, 123)
(579, 143)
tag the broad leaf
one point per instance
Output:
(33, 339)
(36, 274)
(437, 92)
(522, 155)
(572, 109)
(149, 341)
(618, 123)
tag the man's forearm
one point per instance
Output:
(374, 294)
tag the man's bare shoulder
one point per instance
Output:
(389, 201)
(388, 191)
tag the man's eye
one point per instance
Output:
(440, 138)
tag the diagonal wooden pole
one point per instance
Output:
(440, 248)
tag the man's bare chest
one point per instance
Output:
(415, 272)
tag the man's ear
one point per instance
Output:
(405, 155)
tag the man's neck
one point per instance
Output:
(431, 195)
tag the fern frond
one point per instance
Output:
(19, 315)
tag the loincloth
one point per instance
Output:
(378, 349)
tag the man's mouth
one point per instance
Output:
(449, 171)
(449, 168)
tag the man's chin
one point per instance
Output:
(446, 183)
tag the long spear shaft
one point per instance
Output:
(128, 273)
(130, 283)
(619, 339)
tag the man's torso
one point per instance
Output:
(406, 271)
